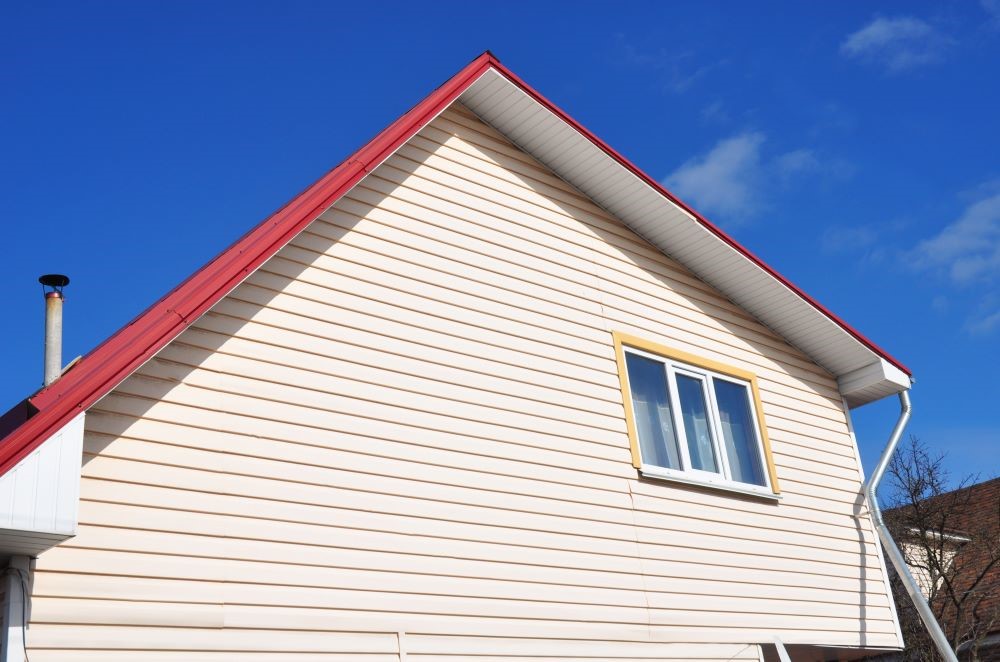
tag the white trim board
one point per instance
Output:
(39, 496)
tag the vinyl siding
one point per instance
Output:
(409, 420)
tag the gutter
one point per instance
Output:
(889, 545)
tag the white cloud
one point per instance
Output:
(726, 180)
(985, 324)
(966, 252)
(968, 249)
(736, 178)
(796, 162)
(897, 44)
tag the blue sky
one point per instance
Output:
(851, 145)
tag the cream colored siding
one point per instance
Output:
(409, 420)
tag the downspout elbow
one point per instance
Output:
(875, 479)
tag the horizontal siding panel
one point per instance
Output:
(562, 517)
(75, 611)
(321, 588)
(674, 537)
(481, 541)
(464, 143)
(528, 511)
(444, 160)
(91, 655)
(415, 197)
(272, 325)
(347, 548)
(400, 241)
(312, 249)
(316, 409)
(425, 328)
(313, 525)
(351, 450)
(187, 363)
(443, 153)
(721, 583)
(727, 508)
(452, 484)
(295, 350)
(605, 537)
(547, 530)
(386, 532)
(45, 635)
(437, 315)
(477, 646)
(309, 267)
(617, 281)
(418, 207)
(811, 450)
(331, 427)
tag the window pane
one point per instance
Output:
(696, 428)
(653, 419)
(738, 431)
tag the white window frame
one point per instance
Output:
(687, 474)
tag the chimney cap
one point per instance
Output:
(56, 281)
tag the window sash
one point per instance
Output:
(687, 472)
(755, 429)
(673, 372)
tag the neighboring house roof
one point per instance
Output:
(865, 371)
(977, 513)
(983, 514)
(969, 521)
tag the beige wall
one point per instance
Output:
(410, 420)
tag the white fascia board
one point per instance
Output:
(937, 535)
(41, 493)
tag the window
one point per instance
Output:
(693, 420)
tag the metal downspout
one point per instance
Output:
(889, 545)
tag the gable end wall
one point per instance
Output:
(409, 420)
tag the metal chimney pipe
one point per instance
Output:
(53, 336)
(52, 287)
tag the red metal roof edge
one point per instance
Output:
(117, 357)
(514, 78)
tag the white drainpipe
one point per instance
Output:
(912, 588)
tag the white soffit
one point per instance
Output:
(572, 156)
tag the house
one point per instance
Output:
(484, 391)
(951, 542)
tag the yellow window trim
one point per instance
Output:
(623, 340)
